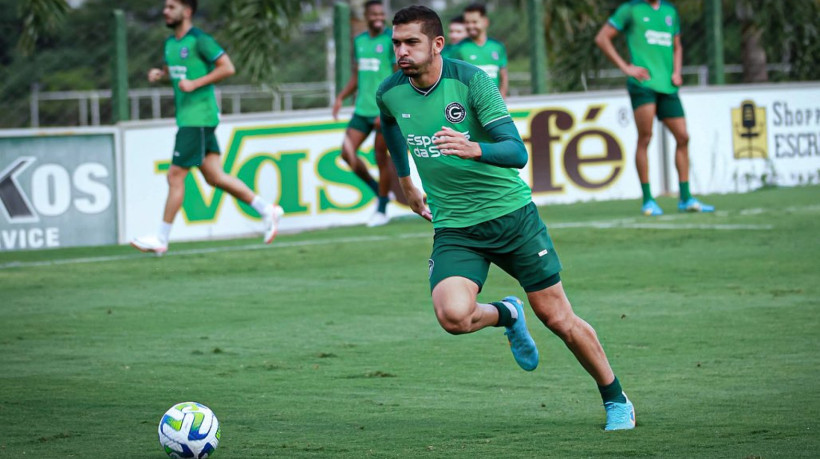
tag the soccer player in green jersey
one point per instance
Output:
(194, 62)
(451, 118)
(456, 33)
(482, 51)
(652, 29)
(373, 62)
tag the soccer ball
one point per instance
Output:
(189, 429)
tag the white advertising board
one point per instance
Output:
(745, 137)
(581, 148)
(58, 188)
(292, 159)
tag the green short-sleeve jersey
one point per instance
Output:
(460, 192)
(650, 35)
(491, 57)
(189, 58)
(447, 51)
(374, 59)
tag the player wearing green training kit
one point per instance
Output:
(456, 33)
(652, 30)
(194, 62)
(478, 49)
(373, 62)
(450, 117)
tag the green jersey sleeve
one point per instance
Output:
(208, 48)
(507, 149)
(502, 53)
(393, 137)
(622, 17)
(486, 100)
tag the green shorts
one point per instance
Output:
(192, 144)
(517, 242)
(666, 105)
(362, 123)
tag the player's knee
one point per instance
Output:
(682, 139)
(349, 157)
(454, 319)
(211, 178)
(561, 325)
(644, 138)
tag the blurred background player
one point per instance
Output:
(194, 61)
(478, 49)
(456, 32)
(482, 211)
(373, 62)
(652, 30)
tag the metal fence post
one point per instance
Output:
(119, 73)
(714, 40)
(538, 49)
(341, 37)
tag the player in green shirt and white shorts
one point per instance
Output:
(194, 62)
(482, 51)
(373, 62)
(450, 116)
(652, 30)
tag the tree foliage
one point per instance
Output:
(39, 17)
(258, 30)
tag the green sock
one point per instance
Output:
(504, 315)
(612, 392)
(685, 195)
(383, 200)
(647, 195)
(374, 185)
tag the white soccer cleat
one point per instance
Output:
(149, 244)
(377, 219)
(271, 219)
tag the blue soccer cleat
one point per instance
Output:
(521, 343)
(619, 416)
(651, 209)
(693, 205)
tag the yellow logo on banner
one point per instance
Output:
(749, 137)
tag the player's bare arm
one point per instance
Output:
(677, 79)
(351, 87)
(604, 41)
(223, 68)
(503, 82)
(415, 198)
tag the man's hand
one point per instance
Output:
(187, 85)
(450, 142)
(415, 199)
(337, 105)
(677, 79)
(639, 73)
(155, 75)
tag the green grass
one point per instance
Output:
(325, 344)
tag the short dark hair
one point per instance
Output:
(458, 19)
(476, 7)
(430, 22)
(370, 3)
(190, 4)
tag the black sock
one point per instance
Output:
(504, 316)
(612, 392)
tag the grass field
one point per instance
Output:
(325, 344)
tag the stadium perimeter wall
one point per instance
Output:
(77, 187)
